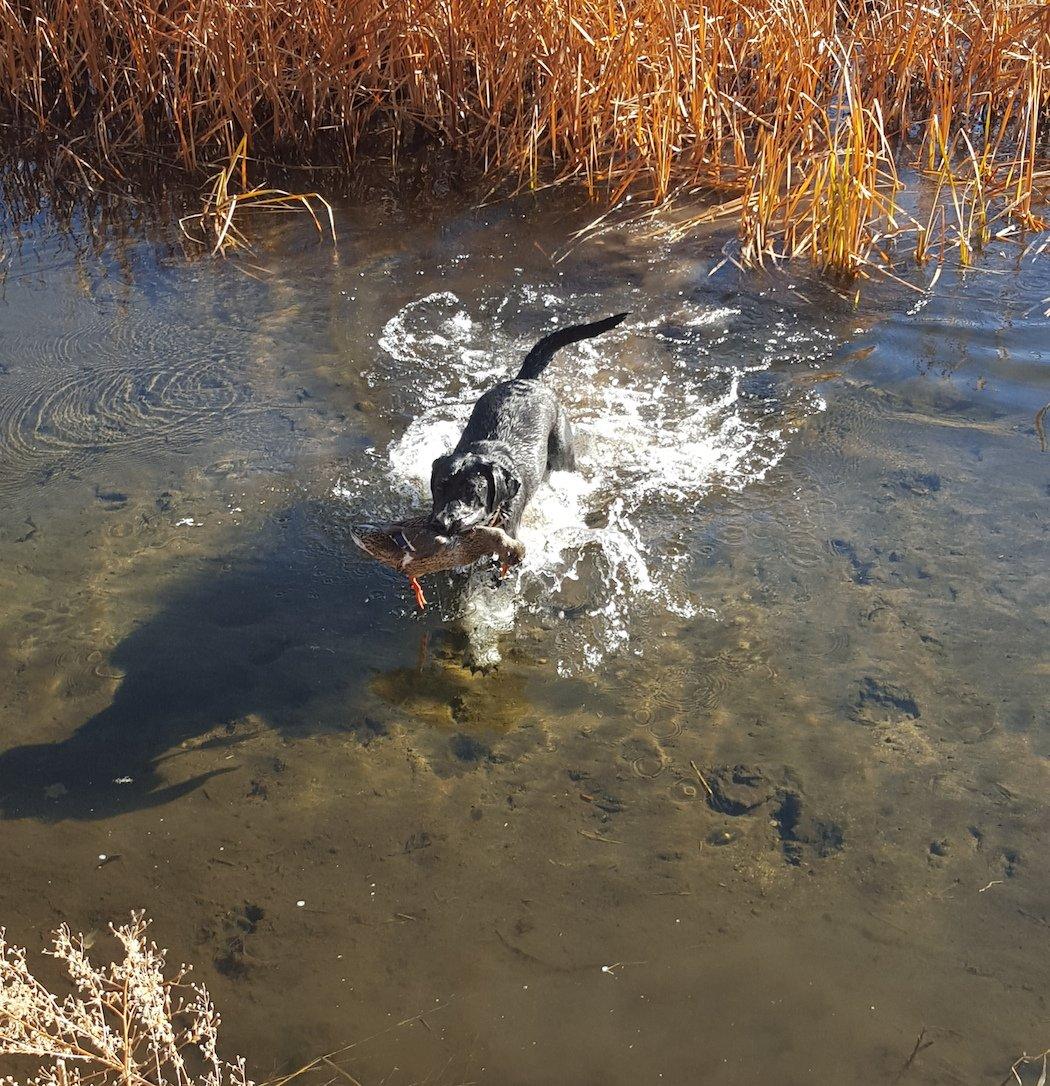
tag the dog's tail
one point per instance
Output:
(537, 359)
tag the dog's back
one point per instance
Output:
(518, 410)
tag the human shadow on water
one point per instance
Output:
(291, 629)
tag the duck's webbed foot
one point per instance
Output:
(417, 588)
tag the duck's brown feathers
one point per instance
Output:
(414, 548)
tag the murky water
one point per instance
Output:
(742, 777)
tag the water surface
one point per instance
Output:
(741, 778)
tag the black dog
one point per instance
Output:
(517, 433)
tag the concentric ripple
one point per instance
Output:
(98, 408)
(111, 371)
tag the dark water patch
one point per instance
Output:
(801, 832)
(469, 749)
(918, 484)
(882, 700)
(860, 571)
(738, 790)
(111, 498)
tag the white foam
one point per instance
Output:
(650, 437)
(434, 335)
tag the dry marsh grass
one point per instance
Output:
(133, 1022)
(793, 115)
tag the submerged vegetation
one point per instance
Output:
(795, 116)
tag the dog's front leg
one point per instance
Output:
(561, 446)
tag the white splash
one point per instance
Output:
(653, 431)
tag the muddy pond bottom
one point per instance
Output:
(741, 776)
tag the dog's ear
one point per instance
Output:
(439, 474)
(512, 485)
(503, 485)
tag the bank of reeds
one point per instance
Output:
(795, 115)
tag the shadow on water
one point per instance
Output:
(292, 634)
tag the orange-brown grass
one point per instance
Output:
(795, 114)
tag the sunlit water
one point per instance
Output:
(741, 777)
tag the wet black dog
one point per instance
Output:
(517, 433)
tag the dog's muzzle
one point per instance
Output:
(458, 517)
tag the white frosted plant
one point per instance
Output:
(124, 1024)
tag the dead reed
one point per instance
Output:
(795, 115)
(133, 1022)
(225, 200)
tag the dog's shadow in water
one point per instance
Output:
(292, 629)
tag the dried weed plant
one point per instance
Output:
(123, 1024)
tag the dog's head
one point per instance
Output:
(470, 490)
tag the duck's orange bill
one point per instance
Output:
(421, 600)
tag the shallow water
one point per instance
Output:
(741, 778)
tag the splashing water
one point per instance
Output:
(658, 427)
